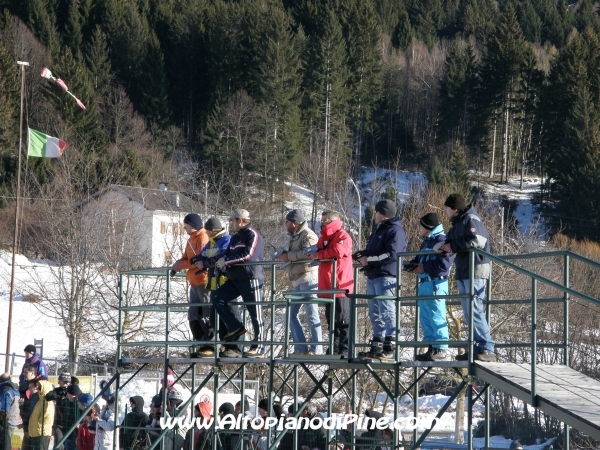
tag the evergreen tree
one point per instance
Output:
(459, 176)
(436, 175)
(388, 12)
(403, 33)
(41, 22)
(98, 63)
(530, 22)
(73, 36)
(9, 122)
(586, 17)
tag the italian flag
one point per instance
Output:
(44, 146)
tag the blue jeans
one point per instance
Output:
(312, 317)
(433, 312)
(382, 313)
(481, 330)
(70, 445)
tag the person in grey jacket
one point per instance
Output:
(304, 277)
(9, 410)
(468, 231)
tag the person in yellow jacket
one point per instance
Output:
(198, 316)
(42, 418)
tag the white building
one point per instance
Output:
(137, 227)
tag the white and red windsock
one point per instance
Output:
(48, 75)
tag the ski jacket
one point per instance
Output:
(85, 438)
(385, 241)
(105, 429)
(9, 402)
(434, 266)
(129, 438)
(302, 238)
(335, 243)
(193, 247)
(245, 246)
(42, 416)
(467, 232)
(41, 371)
(217, 247)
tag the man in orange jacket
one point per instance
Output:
(198, 316)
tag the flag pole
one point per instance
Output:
(16, 232)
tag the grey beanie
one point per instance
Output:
(213, 224)
(386, 208)
(295, 216)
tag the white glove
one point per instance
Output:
(220, 263)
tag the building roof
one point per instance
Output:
(151, 199)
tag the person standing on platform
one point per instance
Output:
(336, 243)
(304, 277)
(380, 265)
(468, 232)
(198, 316)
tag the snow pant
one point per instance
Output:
(433, 312)
(341, 317)
(250, 291)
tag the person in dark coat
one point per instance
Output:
(370, 438)
(468, 231)
(33, 358)
(9, 410)
(380, 265)
(313, 439)
(132, 437)
(432, 275)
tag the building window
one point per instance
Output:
(163, 227)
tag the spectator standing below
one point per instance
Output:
(87, 429)
(33, 358)
(132, 437)
(105, 422)
(245, 281)
(432, 275)
(380, 265)
(9, 411)
(468, 232)
(309, 437)
(25, 406)
(64, 413)
(336, 243)
(41, 419)
(304, 277)
(198, 316)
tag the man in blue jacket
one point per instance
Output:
(242, 280)
(380, 267)
(432, 275)
(9, 410)
(467, 232)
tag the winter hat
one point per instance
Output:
(85, 400)
(65, 376)
(156, 400)
(73, 389)
(193, 220)
(175, 397)
(213, 224)
(170, 378)
(239, 214)
(373, 414)
(205, 408)
(456, 201)
(429, 221)
(386, 208)
(295, 216)
(30, 349)
(264, 404)
(226, 408)
(246, 405)
(74, 379)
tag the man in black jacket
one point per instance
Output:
(467, 232)
(132, 436)
(380, 266)
(242, 280)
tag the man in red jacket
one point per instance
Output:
(336, 243)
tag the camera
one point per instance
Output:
(409, 266)
(357, 255)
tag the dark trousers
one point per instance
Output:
(39, 443)
(6, 433)
(199, 316)
(341, 317)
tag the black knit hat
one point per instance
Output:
(226, 408)
(386, 208)
(193, 220)
(30, 348)
(264, 404)
(456, 201)
(295, 216)
(213, 224)
(430, 221)
(73, 389)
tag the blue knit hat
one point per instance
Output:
(85, 399)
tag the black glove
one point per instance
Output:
(409, 266)
(357, 255)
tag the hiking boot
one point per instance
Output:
(253, 353)
(388, 348)
(424, 356)
(232, 336)
(437, 354)
(231, 353)
(462, 356)
(206, 352)
(486, 356)
(375, 352)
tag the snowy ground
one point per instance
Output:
(29, 323)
